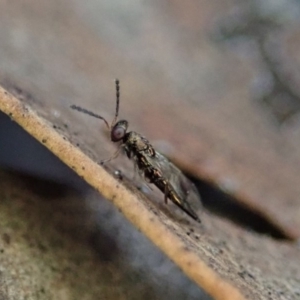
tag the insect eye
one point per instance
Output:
(117, 133)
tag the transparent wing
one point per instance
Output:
(184, 188)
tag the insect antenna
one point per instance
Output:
(117, 102)
(90, 113)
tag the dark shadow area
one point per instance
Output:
(45, 188)
(220, 203)
(20, 152)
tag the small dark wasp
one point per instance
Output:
(151, 165)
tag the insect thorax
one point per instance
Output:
(135, 144)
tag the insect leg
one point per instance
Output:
(115, 155)
(142, 175)
(135, 170)
(166, 192)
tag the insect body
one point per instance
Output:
(151, 165)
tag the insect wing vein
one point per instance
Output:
(186, 194)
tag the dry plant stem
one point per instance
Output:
(128, 203)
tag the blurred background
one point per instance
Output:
(224, 73)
